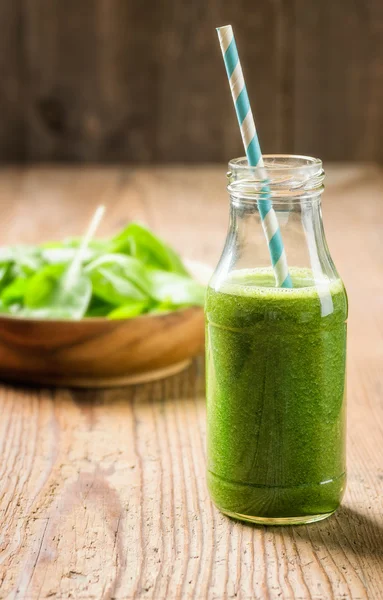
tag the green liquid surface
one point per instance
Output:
(276, 395)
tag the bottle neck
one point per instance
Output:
(294, 195)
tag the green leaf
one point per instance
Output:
(46, 314)
(163, 307)
(114, 288)
(98, 308)
(14, 292)
(27, 260)
(5, 276)
(133, 273)
(177, 266)
(98, 246)
(22, 261)
(61, 255)
(141, 243)
(47, 296)
(42, 285)
(6, 254)
(3, 308)
(128, 311)
(176, 289)
(123, 266)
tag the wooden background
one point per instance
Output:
(128, 80)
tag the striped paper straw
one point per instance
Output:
(253, 152)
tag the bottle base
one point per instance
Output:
(276, 505)
(275, 521)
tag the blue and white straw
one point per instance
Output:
(253, 152)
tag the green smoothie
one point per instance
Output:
(276, 396)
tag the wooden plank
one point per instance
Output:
(196, 119)
(12, 132)
(92, 80)
(111, 80)
(103, 495)
(338, 79)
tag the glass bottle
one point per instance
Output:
(276, 356)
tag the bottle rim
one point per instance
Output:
(288, 177)
(298, 162)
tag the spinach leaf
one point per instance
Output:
(176, 264)
(46, 314)
(98, 246)
(42, 285)
(176, 289)
(163, 307)
(22, 261)
(5, 275)
(27, 260)
(130, 274)
(128, 311)
(6, 254)
(62, 255)
(47, 296)
(14, 292)
(141, 243)
(125, 267)
(98, 308)
(4, 309)
(114, 288)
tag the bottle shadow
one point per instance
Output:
(349, 530)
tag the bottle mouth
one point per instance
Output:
(284, 176)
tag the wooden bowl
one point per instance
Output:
(99, 352)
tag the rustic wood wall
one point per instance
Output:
(128, 80)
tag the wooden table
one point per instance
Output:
(103, 493)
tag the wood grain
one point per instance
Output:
(338, 79)
(110, 80)
(103, 495)
(82, 60)
(12, 82)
